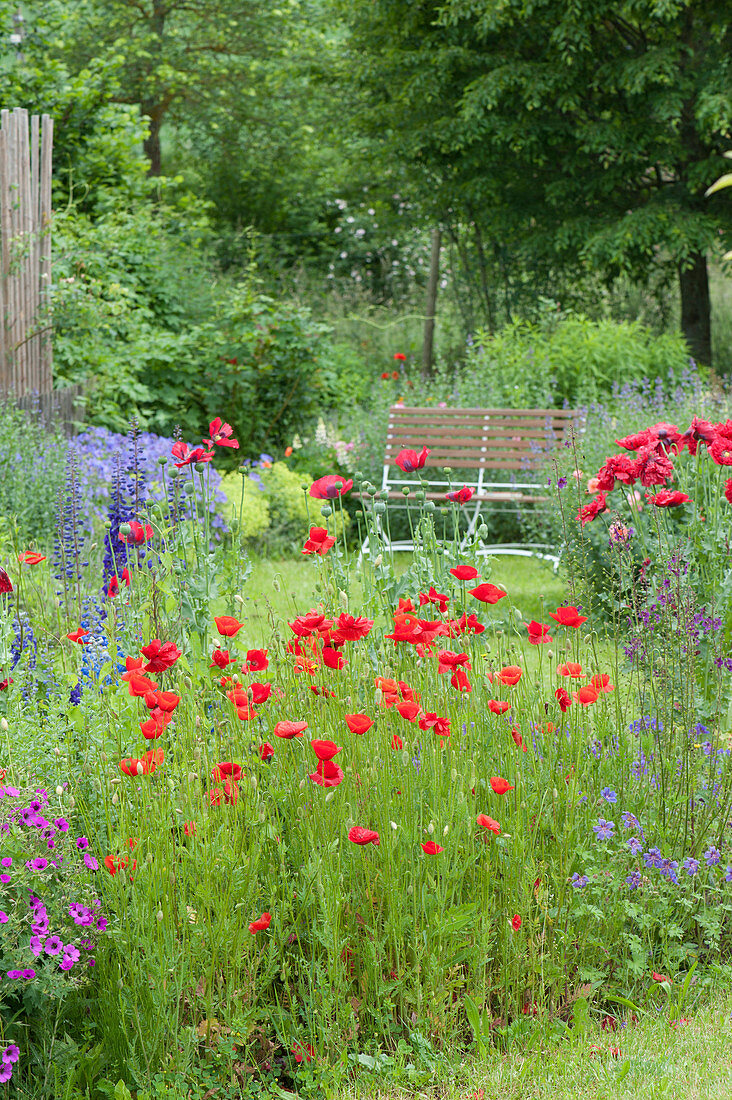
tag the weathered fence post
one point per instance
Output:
(26, 365)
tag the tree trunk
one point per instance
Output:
(429, 324)
(151, 144)
(696, 322)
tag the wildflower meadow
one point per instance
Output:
(409, 824)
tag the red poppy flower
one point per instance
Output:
(409, 710)
(325, 750)
(568, 616)
(189, 455)
(538, 633)
(431, 849)
(333, 658)
(441, 726)
(435, 597)
(400, 356)
(114, 582)
(330, 487)
(385, 376)
(229, 794)
(257, 660)
(221, 658)
(138, 534)
(160, 655)
(359, 723)
(728, 490)
(488, 823)
(586, 695)
(359, 835)
(305, 625)
(661, 978)
(318, 542)
(516, 922)
(498, 706)
(266, 751)
(396, 742)
(465, 572)
(261, 924)
(78, 635)
(228, 626)
(517, 738)
(667, 498)
(138, 685)
(30, 557)
(155, 724)
(592, 510)
(163, 700)
(563, 698)
(350, 628)
(189, 828)
(117, 863)
(487, 593)
(226, 770)
(288, 730)
(409, 461)
(510, 675)
(131, 765)
(259, 693)
(602, 682)
(449, 661)
(460, 681)
(327, 774)
(221, 434)
(460, 496)
(322, 691)
(500, 786)
(307, 1052)
(569, 668)
(5, 585)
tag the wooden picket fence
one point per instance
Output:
(26, 364)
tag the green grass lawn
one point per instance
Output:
(690, 1062)
(279, 590)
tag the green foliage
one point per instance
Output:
(32, 457)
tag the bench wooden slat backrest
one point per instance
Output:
(478, 439)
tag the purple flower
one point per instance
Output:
(14, 975)
(61, 824)
(712, 856)
(609, 795)
(36, 945)
(71, 952)
(630, 821)
(691, 866)
(579, 881)
(29, 973)
(634, 880)
(5, 1073)
(3, 917)
(102, 923)
(81, 914)
(11, 1054)
(635, 845)
(37, 864)
(54, 945)
(604, 829)
(90, 861)
(6, 861)
(5, 878)
(82, 843)
(728, 875)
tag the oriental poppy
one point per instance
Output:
(288, 730)
(568, 616)
(30, 557)
(460, 496)
(488, 823)
(359, 835)
(487, 593)
(330, 487)
(500, 786)
(432, 849)
(220, 658)
(138, 533)
(409, 461)
(189, 455)
(261, 924)
(465, 572)
(327, 774)
(227, 626)
(668, 498)
(510, 675)
(325, 750)
(359, 723)
(319, 542)
(160, 655)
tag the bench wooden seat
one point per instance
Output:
(498, 453)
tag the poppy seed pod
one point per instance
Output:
(326, 510)
(379, 508)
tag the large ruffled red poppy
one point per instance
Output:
(359, 835)
(409, 461)
(318, 542)
(288, 730)
(330, 487)
(487, 593)
(327, 774)
(160, 655)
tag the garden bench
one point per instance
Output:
(485, 449)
